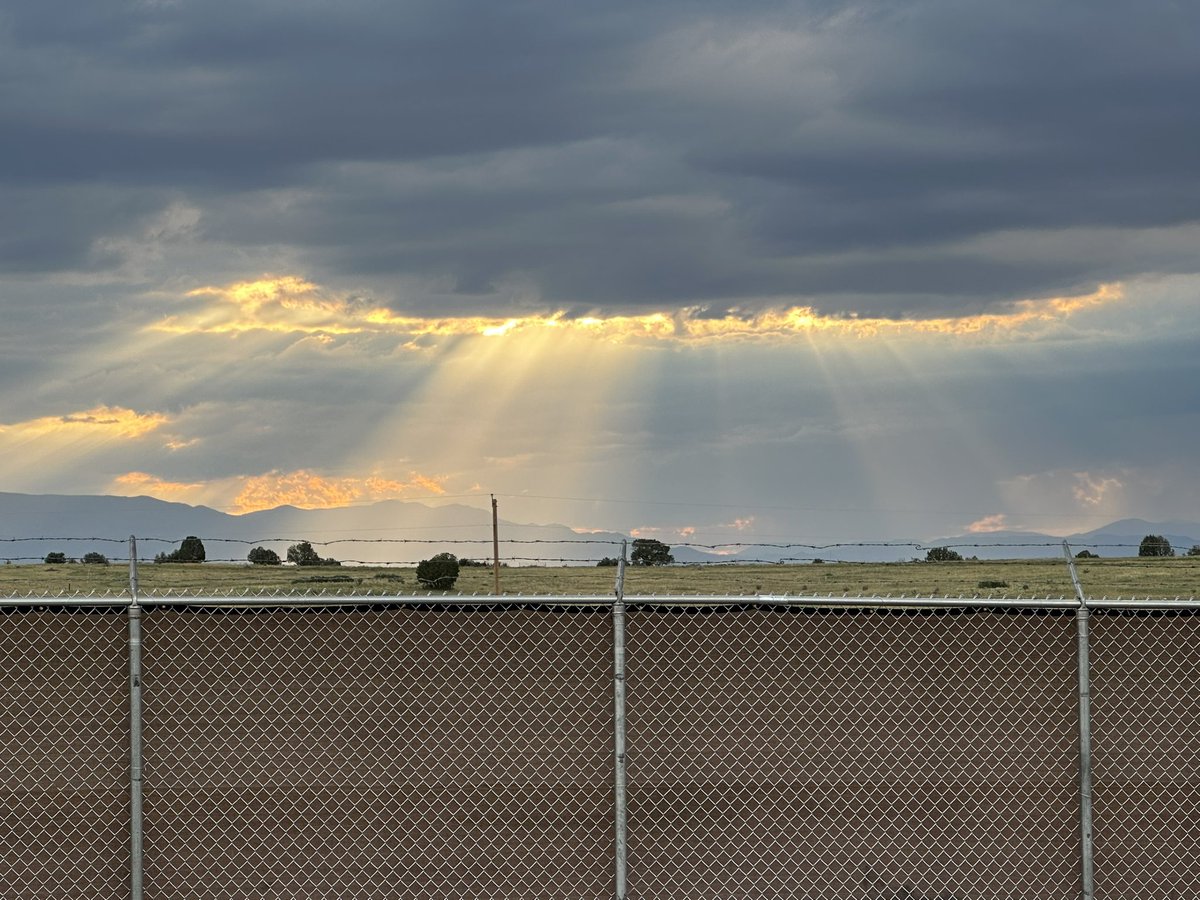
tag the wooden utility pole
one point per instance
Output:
(495, 548)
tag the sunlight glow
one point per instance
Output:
(143, 483)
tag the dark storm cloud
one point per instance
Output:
(609, 157)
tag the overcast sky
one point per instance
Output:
(816, 271)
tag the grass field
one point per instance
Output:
(1177, 577)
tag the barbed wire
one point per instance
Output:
(726, 554)
(725, 546)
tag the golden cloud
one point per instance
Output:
(100, 422)
(249, 493)
(292, 305)
(312, 491)
(989, 524)
(1091, 490)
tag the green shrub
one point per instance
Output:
(261, 556)
(1155, 545)
(943, 554)
(191, 550)
(303, 554)
(438, 572)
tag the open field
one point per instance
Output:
(1177, 577)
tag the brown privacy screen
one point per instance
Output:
(458, 752)
(64, 754)
(1146, 746)
(371, 754)
(852, 754)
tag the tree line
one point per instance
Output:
(441, 571)
(1151, 545)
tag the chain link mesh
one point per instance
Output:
(64, 754)
(1146, 754)
(851, 754)
(400, 753)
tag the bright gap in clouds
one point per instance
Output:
(292, 305)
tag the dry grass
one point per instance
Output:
(1009, 578)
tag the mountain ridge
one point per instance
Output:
(405, 531)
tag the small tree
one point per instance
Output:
(261, 556)
(942, 554)
(438, 572)
(191, 550)
(1155, 545)
(649, 552)
(1194, 551)
(303, 554)
(55, 559)
(95, 559)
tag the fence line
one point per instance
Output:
(724, 553)
(599, 746)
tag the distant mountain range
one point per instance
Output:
(1120, 538)
(394, 531)
(391, 531)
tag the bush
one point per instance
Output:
(95, 559)
(1194, 551)
(438, 572)
(993, 583)
(55, 559)
(1155, 545)
(942, 554)
(1087, 554)
(261, 556)
(608, 561)
(473, 563)
(191, 550)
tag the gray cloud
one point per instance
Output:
(614, 157)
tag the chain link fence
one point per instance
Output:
(802, 748)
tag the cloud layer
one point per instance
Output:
(840, 268)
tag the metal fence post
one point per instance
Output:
(620, 842)
(135, 728)
(1085, 733)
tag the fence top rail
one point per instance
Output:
(280, 599)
